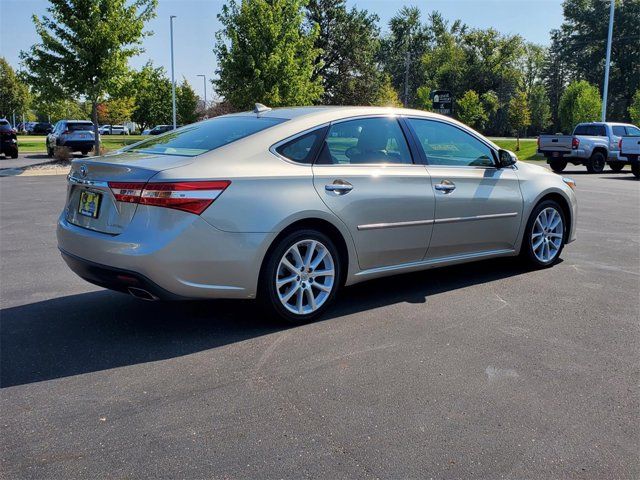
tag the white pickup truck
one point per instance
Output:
(592, 144)
(630, 151)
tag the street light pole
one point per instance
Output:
(204, 84)
(173, 81)
(605, 90)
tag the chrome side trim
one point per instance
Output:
(376, 226)
(89, 183)
(433, 262)
(476, 217)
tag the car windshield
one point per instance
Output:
(204, 136)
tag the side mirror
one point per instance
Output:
(506, 158)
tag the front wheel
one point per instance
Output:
(301, 276)
(616, 166)
(14, 154)
(635, 169)
(596, 163)
(545, 235)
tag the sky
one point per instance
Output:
(196, 24)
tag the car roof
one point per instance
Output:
(292, 113)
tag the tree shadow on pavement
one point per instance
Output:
(101, 330)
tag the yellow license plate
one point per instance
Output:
(89, 203)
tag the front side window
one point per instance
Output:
(205, 136)
(365, 141)
(446, 144)
(633, 131)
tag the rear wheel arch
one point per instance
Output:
(321, 225)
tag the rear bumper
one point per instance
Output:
(172, 252)
(76, 145)
(116, 279)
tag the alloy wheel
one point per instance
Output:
(547, 235)
(305, 277)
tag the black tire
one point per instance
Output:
(527, 251)
(268, 292)
(557, 164)
(14, 154)
(616, 166)
(84, 152)
(635, 169)
(596, 163)
(49, 151)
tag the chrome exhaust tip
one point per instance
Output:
(142, 294)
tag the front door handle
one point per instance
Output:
(341, 187)
(446, 186)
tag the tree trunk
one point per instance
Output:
(517, 141)
(96, 135)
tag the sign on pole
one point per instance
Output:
(442, 102)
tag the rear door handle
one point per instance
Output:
(341, 187)
(447, 186)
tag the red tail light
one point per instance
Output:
(575, 143)
(192, 197)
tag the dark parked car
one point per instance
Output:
(158, 129)
(75, 135)
(8, 139)
(41, 128)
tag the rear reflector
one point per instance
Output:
(192, 197)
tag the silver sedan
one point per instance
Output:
(289, 205)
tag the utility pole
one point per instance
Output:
(407, 61)
(204, 84)
(173, 81)
(605, 90)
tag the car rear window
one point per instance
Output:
(591, 130)
(205, 136)
(77, 126)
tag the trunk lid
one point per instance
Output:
(91, 203)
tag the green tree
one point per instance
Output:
(581, 44)
(266, 55)
(48, 110)
(532, 65)
(151, 90)
(634, 108)
(186, 103)
(14, 94)
(347, 44)
(540, 109)
(84, 48)
(402, 49)
(519, 115)
(386, 95)
(470, 110)
(423, 98)
(580, 102)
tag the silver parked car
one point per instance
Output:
(288, 205)
(74, 135)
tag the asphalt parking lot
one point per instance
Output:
(476, 371)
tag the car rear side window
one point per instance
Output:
(619, 131)
(303, 149)
(446, 144)
(365, 141)
(205, 136)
